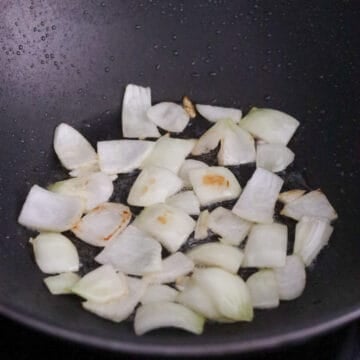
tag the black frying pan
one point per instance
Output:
(69, 61)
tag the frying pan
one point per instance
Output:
(70, 61)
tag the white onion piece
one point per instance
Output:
(169, 225)
(186, 167)
(229, 226)
(123, 156)
(266, 246)
(121, 308)
(214, 184)
(167, 314)
(219, 255)
(201, 227)
(187, 201)
(263, 289)
(62, 283)
(133, 252)
(257, 201)
(228, 292)
(101, 285)
(169, 116)
(101, 224)
(216, 113)
(94, 189)
(55, 253)
(135, 122)
(169, 153)
(85, 170)
(181, 282)
(314, 203)
(273, 157)
(291, 195)
(158, 293)
(72, 149)
(173, 267)
(153, 185)
(271, 125)
(209, 140)
(44, 210)
(291, 278)
(311, 235)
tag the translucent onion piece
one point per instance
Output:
(101, 224)
(187, 201)
(169, 116)
(273, 126)
(119, 309)
(62, 283)
(173, 267)
(133, 252)
(314, 203)
(291, 278)
(101, 285)
(186, 167)
(44, 210)
(216, 113)
(123, 156)
(158, 293)
(228, 292)
(201, 227)
(135, 122)
(229, 226)
(167, 314)
(273, 157)
(72, 149)
(263, 289)
(170, 153)
(226, 257)
(266, 246)
(291, 195)
(214, 184)
(209, 140)
(94, 189)
(55, 253)
(169, 225)
(153, 185)
(257, 201)
(311, 235)
(85, 170)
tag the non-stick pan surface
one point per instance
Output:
(70, 61)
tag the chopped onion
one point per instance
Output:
(167, 314)
(85, 170)
(55, 253)
(169, 153)
(135, 122)
(62, 283)
(273, 157)
(216, 113)
(123, 156)
(263, 289)
(291, 195)
(103, 223)
(229, 226)
(186, 201)
(169, 225)
(228, 292)
(214, 184)
(169, 116)
(101, 285)
(257, 201)
(266, 246)
(158, 293)
(72, 149)
(181, 282)
(311, 235)
(132, 252)
(119, 309)
(44, 210)
(313, 204)
(226, 257)
(186, 167)
(153, 185)
(201, 227)
(291, 278)
(94, 189)
(209, 140)
(273, 126)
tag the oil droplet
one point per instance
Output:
(175, 52)
(35, 29)
(212, 73)
(52, 56)
(137, 27)
(43, 38)
(267, 97)
(18, 52)
(195, 74)
(53, 27)
(103, 4)
(157, 67)
(174, 37)
(20, 47)
(42, 61)
(112, 58)
(107, 69)
(42, 23)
